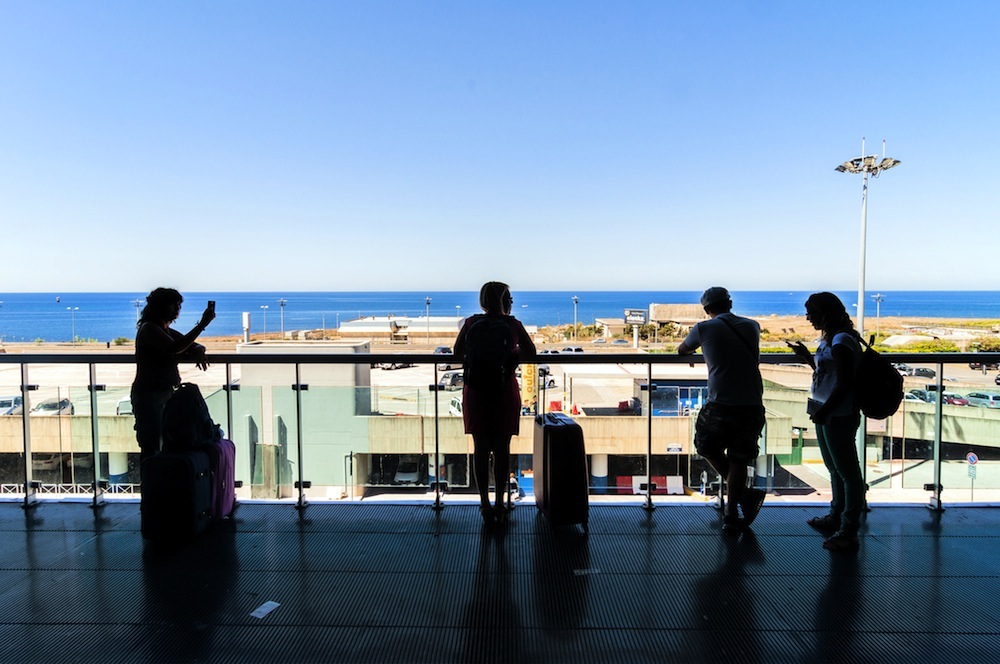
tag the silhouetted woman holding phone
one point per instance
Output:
(158, 349)
(491, 345)
(835, 411)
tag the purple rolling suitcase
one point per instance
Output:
(222, 471)
(561, 476)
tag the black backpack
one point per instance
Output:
(879, 387)
(489, 354)
(187, 423)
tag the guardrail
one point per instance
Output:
(298, 360)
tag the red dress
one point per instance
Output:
(497, 414)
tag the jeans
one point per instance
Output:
(836, 441)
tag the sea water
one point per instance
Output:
(106, 316)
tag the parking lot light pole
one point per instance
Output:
(427, 304)
(879, 299)
(866, 165)
(263, 308)
(281, 303)
(576, 301)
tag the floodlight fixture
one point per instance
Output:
(866, 165)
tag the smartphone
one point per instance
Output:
(211, 305)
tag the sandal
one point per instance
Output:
(842, 540)
(827, 522)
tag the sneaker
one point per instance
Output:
(751, 502)
(732, 524)
(842, 540)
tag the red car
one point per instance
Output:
(954, 399)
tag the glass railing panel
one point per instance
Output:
(11, 431)
(245, 432)
(116, 444)
(62, 459)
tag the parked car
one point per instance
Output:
(455, 407)
(395, 365)
(10, 405)
(903, 369)
(997, 379)
(954, 399)
(548, 351)
(599, 340)
(923, 372)
(451, 381)
(620, 342)
(984, 399)
(445, 366)
(923, 395)
(909, 396)
(124, 406)
(572, 349)
(53, 407)
(408, 470)
(989, 366)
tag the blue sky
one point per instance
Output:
(554, 145)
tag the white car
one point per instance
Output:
(10, 405)
(124, 406)
(455, 407)
(50, 407)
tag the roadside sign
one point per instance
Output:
(972, 458)
(636, 316)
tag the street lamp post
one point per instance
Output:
(427, 304)
(72, 323)
(263, 308)
(879, 299)
(576, 301)
(458, 311)
(281, 303)
(138, 307)
(866, 165)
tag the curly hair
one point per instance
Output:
(160, 305)
(834, 313)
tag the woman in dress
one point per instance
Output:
(158, 349)
(835, 411)
(491, 409)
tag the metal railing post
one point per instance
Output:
(435, 388)
(301, 484)
(935, 502)
(649, 438)
(95, 437)
(30, 487)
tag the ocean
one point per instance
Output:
(56, 317)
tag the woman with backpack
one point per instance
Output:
(158, 349)
(834, 409)
(490, 345)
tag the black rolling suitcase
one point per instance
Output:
(561, 476)
(176, 496)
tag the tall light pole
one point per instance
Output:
(458, 311)
(427, 303)
(281, 303)
(263, 308)
(866, 165)
(576, 301)
(72, 323)
(879, 299)
(138, 307)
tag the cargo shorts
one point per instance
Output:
(730, 430)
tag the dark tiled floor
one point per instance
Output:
(402, 583)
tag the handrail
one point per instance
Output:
(98, 357)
